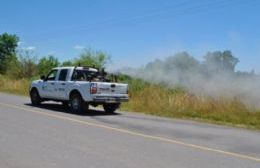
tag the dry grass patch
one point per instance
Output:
(177, 103)
(20, 86)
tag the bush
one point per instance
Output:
(89, 57)
(23, 67)
(46, 64)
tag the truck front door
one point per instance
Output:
(48, 87)
(61, 86)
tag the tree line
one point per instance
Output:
(22, 63)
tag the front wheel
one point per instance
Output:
(35, 97)
(77, 104)
(110, 108)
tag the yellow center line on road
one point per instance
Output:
(158, 138)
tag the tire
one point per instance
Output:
(35, 97)
(77, 104)
(110, 108)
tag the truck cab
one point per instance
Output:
(79, 87)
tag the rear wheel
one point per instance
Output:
(35, 97)
(110, 108)
(77, 104)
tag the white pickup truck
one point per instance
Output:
(79, 87)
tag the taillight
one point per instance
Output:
(93, 88)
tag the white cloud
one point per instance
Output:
(20, 43)
(78, 47)
(51, 53)
(29, 48)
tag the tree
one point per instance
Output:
(181, 62)
(15, 69)
(46, 64)
(67, 63)
(8, 44)
(25, 66)
(229, 61)
(89, 57)
(220, 61)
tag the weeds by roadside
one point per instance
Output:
(173, 103)
(15, 86)
(176, 103)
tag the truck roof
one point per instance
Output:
(78, 68)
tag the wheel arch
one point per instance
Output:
(34, 88)
(74, 91)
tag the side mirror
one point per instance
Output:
(43, 78)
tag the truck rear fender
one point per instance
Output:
(74, 91)
(83, 89)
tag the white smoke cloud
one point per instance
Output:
(197, 77)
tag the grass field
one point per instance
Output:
(15, 86)
(176, 103)
(173, 103)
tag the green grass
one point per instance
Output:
(172, 103)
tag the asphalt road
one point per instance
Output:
(49, 137)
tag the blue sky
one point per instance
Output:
(135, 32)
